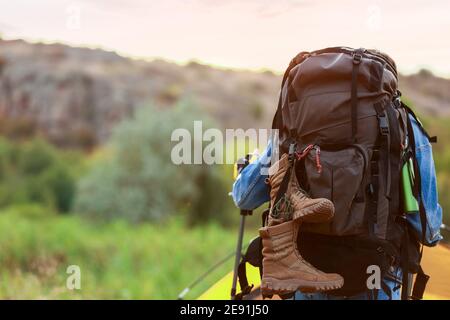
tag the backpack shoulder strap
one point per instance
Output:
(422, 278)
(432, 139)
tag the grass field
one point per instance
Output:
(117, 260)
(123, 261)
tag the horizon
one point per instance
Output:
(184, 63)
(257, 40)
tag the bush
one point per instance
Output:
(139, 182)
(117, 260)
(35, 172)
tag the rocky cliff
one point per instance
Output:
(76, 95)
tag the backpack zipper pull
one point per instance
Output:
(318, 164)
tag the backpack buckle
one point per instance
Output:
(383, 124)
(370, 189)
(358, 55)
(397, 102)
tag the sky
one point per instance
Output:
(245, 34)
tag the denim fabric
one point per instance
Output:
(250, 190)
(424, 155)
(370, 295)
(392, 281)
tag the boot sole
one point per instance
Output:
(309, 215)
(271, 286)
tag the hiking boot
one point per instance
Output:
(295, 204)
(284, 269)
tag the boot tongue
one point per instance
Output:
(274, 221)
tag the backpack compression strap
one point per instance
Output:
(381, 150)
(357, 58)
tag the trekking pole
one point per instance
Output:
(202, 277)
(186, 290)
(237, 258)
(410, 284)
(239, 166)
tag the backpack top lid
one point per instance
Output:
(320, 83)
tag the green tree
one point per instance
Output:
(139, 182)
(35, 172)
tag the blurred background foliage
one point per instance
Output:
(140, 226)
(36, 172)
(139, 182)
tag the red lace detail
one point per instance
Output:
(306, 150)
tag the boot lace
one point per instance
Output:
(283, 209)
